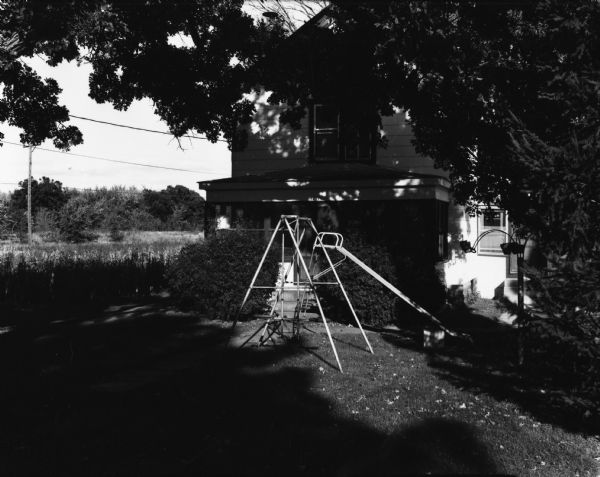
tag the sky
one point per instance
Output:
(201, 159)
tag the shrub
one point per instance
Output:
(115, 225)
(7, 221)
(45, 193)
(213, 276)
(564, 346)
(177, 207)
(373, 302)
(142, 220)
(44, 220)
(116, 235)
(76, 217)
(420, 281)
(567, 349)
(51, 236)
(80, 274)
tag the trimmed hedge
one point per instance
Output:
(212, 277)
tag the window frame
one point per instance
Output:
(314, 130)
(341, 148)
(441, 217)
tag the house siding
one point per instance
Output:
(471, 272)
(400, 153)
(275, 146)
(271, 144)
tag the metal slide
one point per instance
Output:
(338, 246)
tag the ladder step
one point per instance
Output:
(292, 295)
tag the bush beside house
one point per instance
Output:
(212, 277)
(564, 345)
(374, 304)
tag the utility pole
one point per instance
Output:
(29, 232)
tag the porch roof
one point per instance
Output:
(329, 181)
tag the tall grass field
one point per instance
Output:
(61, 273)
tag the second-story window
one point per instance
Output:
(341, 135)
(325, 132)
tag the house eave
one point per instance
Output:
(292, 191)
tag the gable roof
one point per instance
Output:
(319, 20)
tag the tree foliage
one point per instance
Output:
(75, 214)
(76, 220)
(7, 222)
(193, 59)
(45, 193)
(175, 200)
(503, 95)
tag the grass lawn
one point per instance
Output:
(149, 390)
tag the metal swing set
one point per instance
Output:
(304, 286)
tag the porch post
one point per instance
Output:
(520, 309)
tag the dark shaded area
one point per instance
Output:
(489, 365)
(56, 283)
(148, 390)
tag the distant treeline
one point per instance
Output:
(73, 215)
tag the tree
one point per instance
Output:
(27, 101)
(158, 204)
(190, 203)
(193, 59)
(179, 201)
(485, 85)
(504, 95)
(45, 193)
(77, 218)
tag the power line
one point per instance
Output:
(139, 129)
(114, 160)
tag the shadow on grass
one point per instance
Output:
(160, 393)
(489, 365)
